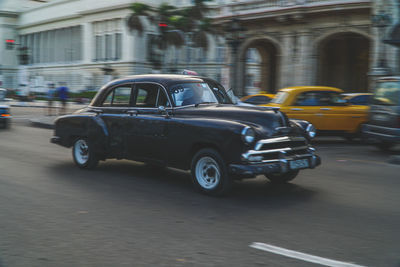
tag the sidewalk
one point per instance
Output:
(43, 104)
(43, 121)
(46, 122)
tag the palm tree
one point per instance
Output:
(174, 23)
(138, 10)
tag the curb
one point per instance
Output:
(27, 106)
(40, 124)
(394, 159)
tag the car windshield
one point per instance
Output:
(387, 93)
(192, 93)
(279, 98)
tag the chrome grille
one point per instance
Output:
(279, 147)
(281, 143)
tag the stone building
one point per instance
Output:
(85, 43)
(307, 42)
(286, 43)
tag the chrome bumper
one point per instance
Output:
(284, 149)
(276, 166)
(381, 133)
(55, 140)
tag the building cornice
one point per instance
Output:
(9, 14)
(75, 16)
(47, 21)
(331, 6)
(104, 9)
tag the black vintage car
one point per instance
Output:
(187, 123)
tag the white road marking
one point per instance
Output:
(302, 256)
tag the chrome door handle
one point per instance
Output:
(297, 109)
(132, 112)
(98, 111)
(319, 114)
(325, 108)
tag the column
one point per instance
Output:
(286, 75)
(130, 44)
(88, 48)
(304, 55)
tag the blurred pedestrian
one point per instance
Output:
(50, 98)
(62, 92)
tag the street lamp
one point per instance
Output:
(381, 21)
(234, 36)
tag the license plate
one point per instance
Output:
(298, 164)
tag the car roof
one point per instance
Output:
(355, 94)
(163, 79)
(308, 88)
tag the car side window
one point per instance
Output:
(308, 99)
(119, 97)
(331, 99)
(150, 96)
(163, 99)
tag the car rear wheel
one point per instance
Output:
(281, 178)
(209, 173)
(82, 152)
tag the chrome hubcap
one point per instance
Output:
(81, 151)
(207, 173)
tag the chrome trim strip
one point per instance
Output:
(282, 160)
(260, 143)
(258, 152)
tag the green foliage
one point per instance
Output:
(140, 9)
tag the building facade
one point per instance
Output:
(285, 43)
(85, 43)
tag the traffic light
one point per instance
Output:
(162, 27)
(10, 44)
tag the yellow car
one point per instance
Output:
(257, 99)
(323, 106)
(358, 98)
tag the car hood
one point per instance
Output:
(261, 118)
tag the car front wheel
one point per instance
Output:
(281, 178)
(209, 173)
(83, 155)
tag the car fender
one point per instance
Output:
(70, 127)
(222, 135)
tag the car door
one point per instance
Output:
(339, 116)
(113, 112)
(147, 126)
(306, 106)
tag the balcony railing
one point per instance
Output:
(245, 6)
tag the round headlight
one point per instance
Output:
(248, 135)
(311, 131)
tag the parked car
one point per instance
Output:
(177, 121)
(324, 107)
(384, 115)
(258, 99)
(362, 99)
(5, 116)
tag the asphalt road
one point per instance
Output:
(128, 214)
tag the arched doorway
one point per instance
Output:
(258, 67)
(343, 62)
